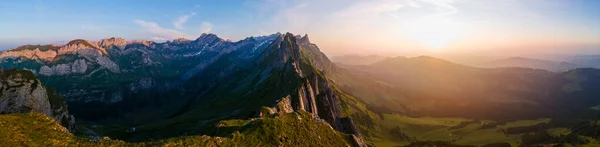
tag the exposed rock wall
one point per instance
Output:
(282, 106)
(31, 54)
(78, 66)
(22, 92)
(74, 46)
(120, 43)
(314, 94)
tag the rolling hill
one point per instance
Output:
(549, 65)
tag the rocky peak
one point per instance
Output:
(303, 40)
(181, 40)
(79, 44)
(113, 42)
(208, 38)
(143, 42)
(283, 49)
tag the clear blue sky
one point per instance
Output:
(338, 26)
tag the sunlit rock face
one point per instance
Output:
(30, 54)
(113, 42)
(74, 46)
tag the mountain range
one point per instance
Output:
(281, 90)
(533, 63)
(358, 59)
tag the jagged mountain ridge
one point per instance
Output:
(231, 80)
(130, 70)
(282, 78)
(549, 65)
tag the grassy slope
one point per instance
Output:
(294, 129)
(438, 129)
(372, 90)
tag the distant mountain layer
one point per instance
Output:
(533, 63)
(430, 86)
(588, 61)
(357, 59)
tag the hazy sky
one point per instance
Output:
(388, 27)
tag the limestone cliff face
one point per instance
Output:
(88, 53)
(22, 92)
(74, 46)
(78, 66)
(113, 42)
(314, 93)
(31, 54)
(143, 42)
(282, 106)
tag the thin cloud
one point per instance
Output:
(159, 32)
(181, 20)
(158, 39)
(206, 27)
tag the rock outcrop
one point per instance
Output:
(282, 106)
(74, 46)
(113, 42)
(22, 92)
(143, 42)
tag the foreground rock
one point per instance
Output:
(22, 92)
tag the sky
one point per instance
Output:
(385, 27)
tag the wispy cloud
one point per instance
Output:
(206, 27)
(158, 39)
(182, 20)
(159, 32)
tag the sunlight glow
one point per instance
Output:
(434, 32)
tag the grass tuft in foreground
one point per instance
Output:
(294, 129)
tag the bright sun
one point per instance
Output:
(434, 33)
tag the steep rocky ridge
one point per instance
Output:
(75, 47)
(22, 92)
(283, 80)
